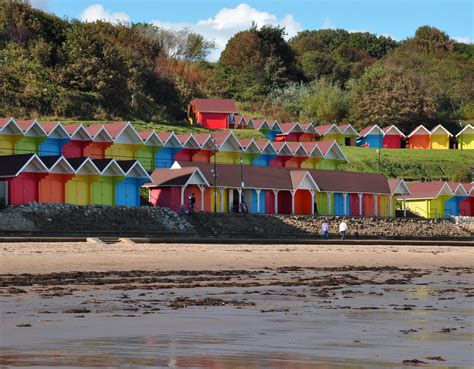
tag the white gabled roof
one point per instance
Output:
(393, 130)
(439, 129)
(12, 128)
(137, 171)
(303, 180)
(467, 130)
(421, 127)
(335, 152)
(62, 166)
(348, 130)
(113, 169)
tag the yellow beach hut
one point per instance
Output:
(10, 134)
(466, 138)
(427, 199)
(439, 138)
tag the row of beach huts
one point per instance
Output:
(110, 163)
(222, 114)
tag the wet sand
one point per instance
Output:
(61, 257)
(226, 306)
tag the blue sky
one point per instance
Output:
(218, 20)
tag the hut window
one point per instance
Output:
(3, 194)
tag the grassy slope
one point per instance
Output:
(410, 164)
(396, 163)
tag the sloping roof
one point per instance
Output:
(439, 129)
(77, 132)
(469, 129)
(53, 162)
(354, 182)
(13, 165)
(176, 177)
(31, 125)
(421, 129)
(4, 121)
(398, 186)
(326, 128)
(312, 149)
(265, 145)
(293, 127)
(10, 122)
(347, 127)
(469, 187)
(427, 190)
(282, 179)
(215, 105)
(368, 130)
(259, 124)
(457, 188)
(392, 130)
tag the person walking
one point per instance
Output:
(325, 230)
(192, 202)
(342, 229)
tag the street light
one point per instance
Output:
(242, 184)
(214, 171)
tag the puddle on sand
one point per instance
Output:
(346, 325)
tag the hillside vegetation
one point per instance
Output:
(454, 165)
(59, 68)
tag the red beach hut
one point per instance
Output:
(392, 138)
(19, 178)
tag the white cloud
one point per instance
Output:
(97, 12)
(463, 39)
(228, 21)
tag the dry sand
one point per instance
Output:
(43, 257)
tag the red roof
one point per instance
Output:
(49, 126)
(258, 123)
(71, 128)
(324, 146)
(288, 127)
(114, 129)
(25, 124)
(366, 130)
(4, 121)
(322, 130)
(214, 105)
(245, 142)
(145, 135)
(425, 190)
(94, 129)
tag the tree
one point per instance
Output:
(391, 95)
(327, 102)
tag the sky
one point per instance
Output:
(219, 20)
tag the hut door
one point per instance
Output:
(3, 194)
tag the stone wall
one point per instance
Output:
(268, 226)
(66, 217)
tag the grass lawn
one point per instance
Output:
(410, 164)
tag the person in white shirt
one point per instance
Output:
(342, 229)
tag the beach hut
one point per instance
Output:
(348, 135)
(79, 138)
(398, 189)
(267, 153)
(172, 187)
(164, 158)
(371, 137)
(52, 187)
(249, 151)
(206, 148)
(189, 147)
(392, 138)
(465, 138)
(146, 153)
(10, 134)
(298, 155)
(212, 113)
(439, 138)
(309, 133)
(427, 199)
(451, 206)
(126, 141)
(330, 132)
(101, 141)
(333, 155)
(127, 191)
(419, 138)
(240, 122)
(104, 188)
(315, 155)
(283, 154)
(228, 147)
(290, 132)
(33, 136)
(19, 178)
(79, 188)
(466, 207)
(57, 137)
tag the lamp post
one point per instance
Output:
(380, 150)
(214, 171)
(460, 141)
(242, 184)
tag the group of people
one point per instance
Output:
(325, 230)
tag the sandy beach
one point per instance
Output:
(247, 306)
(16, 258)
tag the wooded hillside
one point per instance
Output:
(57, 68)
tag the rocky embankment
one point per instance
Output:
(66, 217)
(265, 226)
